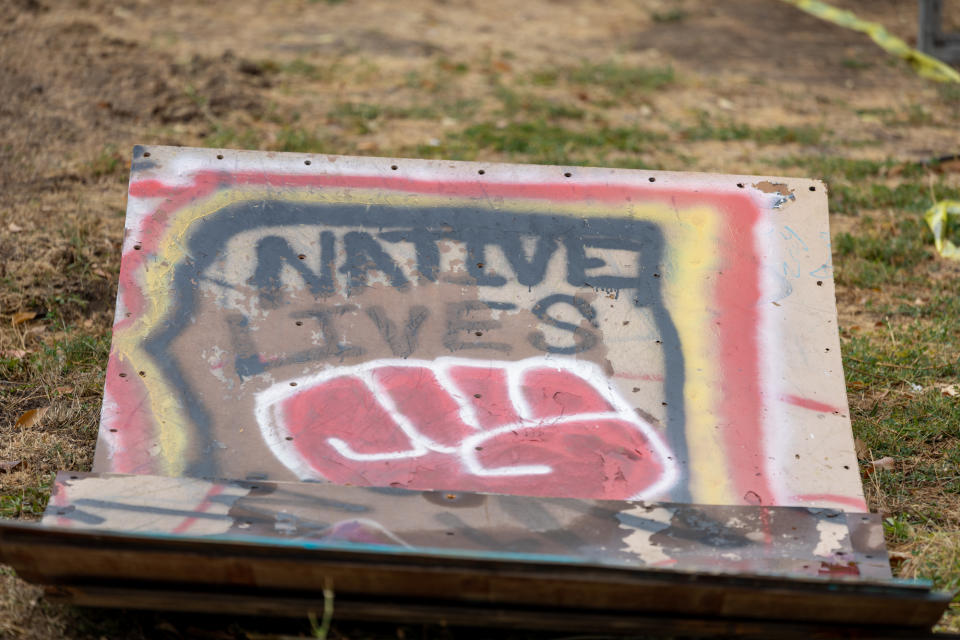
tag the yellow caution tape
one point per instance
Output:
(938, 217)
(926, 66)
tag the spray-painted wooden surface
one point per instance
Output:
(428, 325)
(738, 540)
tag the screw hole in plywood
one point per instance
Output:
(306, 162)
(146, 154)
(219, 156)
(394, 167)
(652, 179)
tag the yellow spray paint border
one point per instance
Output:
(686, 234)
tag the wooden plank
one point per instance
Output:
(64, 557)
(449, 614)
(796, 541)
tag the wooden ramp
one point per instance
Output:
(479, 393)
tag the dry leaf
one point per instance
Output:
(23, 316)
(885, 463)
(861, 448)
(14, 228)
(13, 353)
(897, 558)
(950, 390)
(31, 417)
(9, 465)
(65, 389)
(951, 165)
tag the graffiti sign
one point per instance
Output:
(451, 326)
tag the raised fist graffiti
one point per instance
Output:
(543, 426)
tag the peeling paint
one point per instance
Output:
(832, 535)
(638, 540)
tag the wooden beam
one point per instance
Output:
(71, 558)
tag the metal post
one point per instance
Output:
(929, 34)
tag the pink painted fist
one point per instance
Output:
(540, 427)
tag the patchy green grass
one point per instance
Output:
(541, 142)
(727, 130)
(301, 140)
(887, 251)
(223, 137)
(909, 197)
(299, 67)
(903, 377)
(26, 502)
(64, 381)
(619, 81)
(671, 15)
(856, 63)
(107, 162)
(530, 105)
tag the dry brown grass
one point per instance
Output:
(755, 87)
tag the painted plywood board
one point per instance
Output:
(430, 325)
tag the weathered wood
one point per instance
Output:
(298, 605)
(65, 557)
(796, 541)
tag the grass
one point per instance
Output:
(541, 142)
(896, 379)
(619, 81)
(899, 301)
(107, 162)
(888, 251)
(912, 197)
(66, 379)
(726, 130)
(672, 15)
